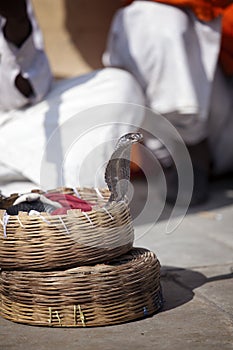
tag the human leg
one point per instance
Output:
(220, 124)
(173, 56)
(52, 139)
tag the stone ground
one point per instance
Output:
(197, 281)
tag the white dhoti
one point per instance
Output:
(174, 57)
(67, 139)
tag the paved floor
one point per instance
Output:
(197, 280)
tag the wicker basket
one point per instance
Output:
(53, 242)
(125, 289)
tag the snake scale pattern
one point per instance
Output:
(117, 172)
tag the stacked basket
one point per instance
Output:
(78, 269)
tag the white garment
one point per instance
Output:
(67, 139)
(174, 58)
(30, 60)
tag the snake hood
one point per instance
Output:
(117, 173)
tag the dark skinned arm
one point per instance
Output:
(16, 30)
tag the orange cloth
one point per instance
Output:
(226, 52)
(206, 11)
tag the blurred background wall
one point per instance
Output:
(75, 32)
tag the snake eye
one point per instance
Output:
(136, 137)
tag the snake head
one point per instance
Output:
(117, 173)
(132, 137)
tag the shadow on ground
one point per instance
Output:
(178, 285)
